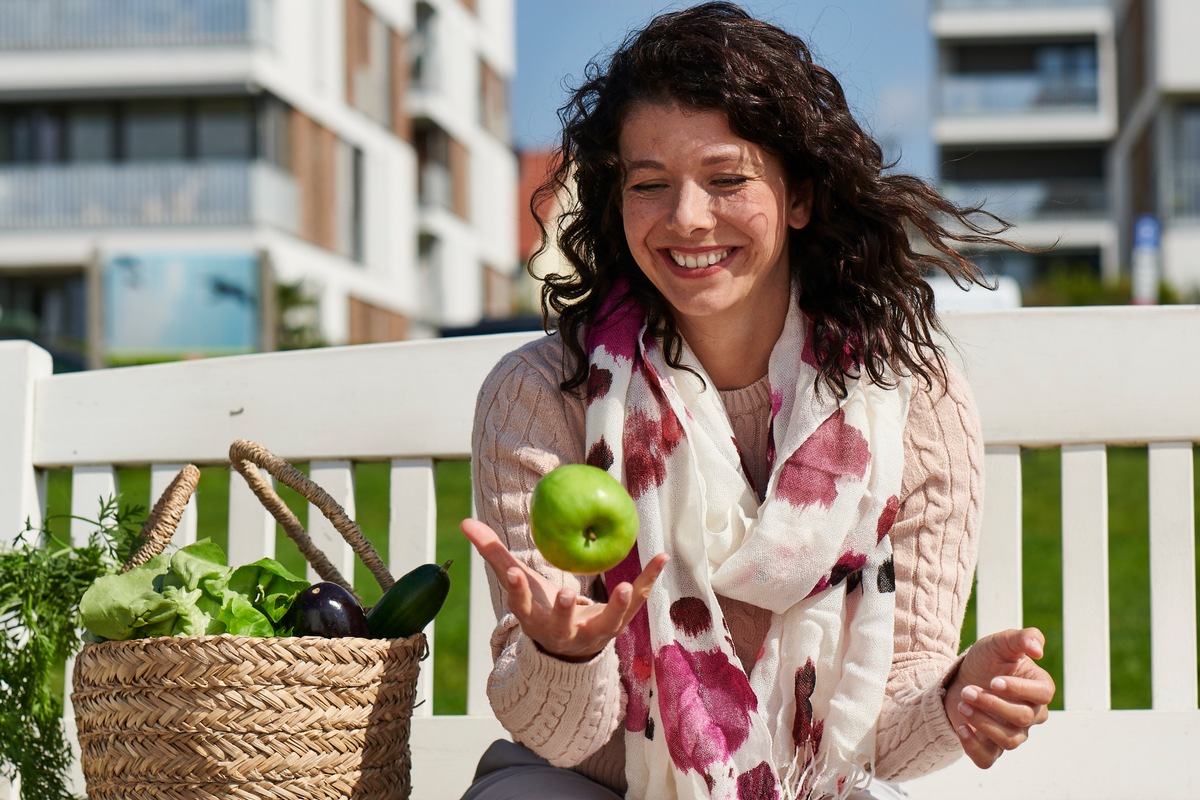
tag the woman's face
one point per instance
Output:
(706, 217)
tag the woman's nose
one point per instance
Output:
(690, 211)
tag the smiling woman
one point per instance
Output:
(707, 215)
(745, 341)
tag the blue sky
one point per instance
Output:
(880, 50)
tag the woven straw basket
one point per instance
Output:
(293, 718)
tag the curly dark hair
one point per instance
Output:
(860, 277)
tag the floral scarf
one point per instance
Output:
(815, 552)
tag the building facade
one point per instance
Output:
(1026, 112)
(1155, 159)
(217, 176)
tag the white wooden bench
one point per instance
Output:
(1079, 379)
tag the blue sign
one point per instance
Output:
(1146, 232)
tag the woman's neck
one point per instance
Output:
(734, 356)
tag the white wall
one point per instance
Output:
(1181, 255)
(1177, 28)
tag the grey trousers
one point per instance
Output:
(509, 771)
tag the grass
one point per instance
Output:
(1041, 519)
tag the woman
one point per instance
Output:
(745, 343)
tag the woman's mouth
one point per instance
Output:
(699, 260)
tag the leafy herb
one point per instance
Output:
(41, 582)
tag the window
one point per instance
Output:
(493, 101)
(154, 131)
(32, 135)
(49, 307)
(357, 212)
(1187, 154)
(429, 276)
(92, 133)
(274, 133)
(225, 129)
(424, 47)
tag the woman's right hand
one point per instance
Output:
(554, 618)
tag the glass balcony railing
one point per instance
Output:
(74, 196)
(1007, 93)
(955, 5)
(100, 24)
(1034, 199)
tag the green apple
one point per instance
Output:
(582, 518)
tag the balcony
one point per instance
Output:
(163, 194)
(105, 24)
(1015, 201)
(1017, 93)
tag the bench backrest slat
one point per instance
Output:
(479, 650)
(1173, 577)
(1085, 578)
(251, 526)
(412, 541)
(998, 589)
(22, 490)
(337, 479)
(90, 485)
(160, 476)
(373, 402)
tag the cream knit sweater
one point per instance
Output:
(572, 713)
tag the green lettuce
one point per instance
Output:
(269, 585)
(191, 593)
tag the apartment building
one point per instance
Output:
(203, 177)
(1074, 119)
(1026, 112)
(1156, 156)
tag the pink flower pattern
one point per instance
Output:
(847, 566)
(887, 518)
(810, 474)
(691, 616)
(705, 702)
(648, 442)
(598, 384)
(600, 455)
(633, 649)
(806, 732)
(759, 783)
(617, 326)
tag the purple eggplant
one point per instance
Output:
(327, 609)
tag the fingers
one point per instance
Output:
(1037, 690)
(489, 545)
(1014, 644)
(1000, 722)
(627, 599)
(981, 750)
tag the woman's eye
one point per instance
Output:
(647, 186)
(731, 182)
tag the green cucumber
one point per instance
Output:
(411, 604)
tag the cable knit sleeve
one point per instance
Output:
(935, 538)
(524, 427)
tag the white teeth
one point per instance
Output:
(703, 260)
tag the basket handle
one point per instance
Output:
(164, 518)
(246, 456)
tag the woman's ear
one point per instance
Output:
(800, 202)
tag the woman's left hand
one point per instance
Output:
(999, 693)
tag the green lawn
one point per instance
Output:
(1128, 558)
